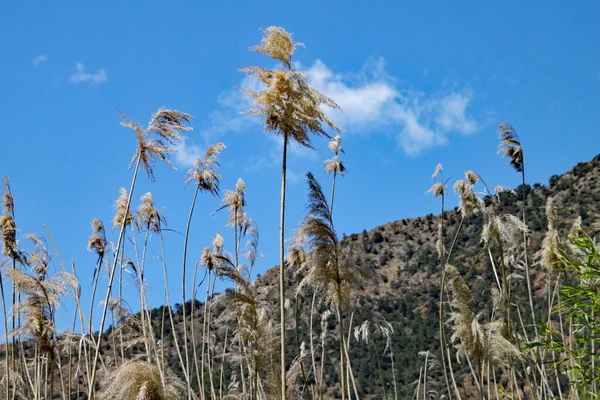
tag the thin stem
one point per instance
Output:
(222, 363)
(312, 347)
(442, 332)
(297, 318)
(342, 341)
(111, 279)
(381, 372)
(332, 194)
(183, 276)
(164, 262)
(7, 354)
(204, 320)
(424, 376)
(210, 360)
(195, 352)
(120, 304)
(282, 269)
(349, 366)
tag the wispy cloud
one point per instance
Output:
(372, 100)
(80, 75)
(39, 60)
(187, 154)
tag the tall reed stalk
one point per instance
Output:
(292, 109)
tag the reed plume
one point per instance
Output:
(235, 202)
(510, 146)
(329, 266)
(204, 172)
(547, 256)
(122, 215)
(469, 201)
(147, 216)
(488, 342)
(8, 228)
(141, 380)
(41, 295)
(159, 139)
(367, 332)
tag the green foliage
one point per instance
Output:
(579, 308)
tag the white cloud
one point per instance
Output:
(373, 101)
(453, 114)
(186, 154)
(39, 60)
(80, 75)
(362, 100)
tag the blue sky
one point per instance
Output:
(419, 82)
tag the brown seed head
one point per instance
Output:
(158, 140)
(204, 172)
(288, 104)
(97, 240)
(147, 216)
(277, 43)
(122, 210)
(510, 146)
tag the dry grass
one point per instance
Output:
(140, 380)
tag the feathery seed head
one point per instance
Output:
(503, 189)
(469, 201)
(575, 227)
(505, 227)
(206, 258)
(8, 202)
(551, 214)
(289, 105)
(438, 170)
(204, 172)
(277, 43)
(471, 337)
(335, 145)
(147, 216)
(122, 214)
(8, 228)
(218, 244)
(141, 380)
(439, 244)
(472, 177)
(438, 189)
(332, 266)
(97, 240)
(39, 259)
(335, 164)
(41, 295)
(159, 139)
(547, 256)
(235, 201)
(510, 146)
